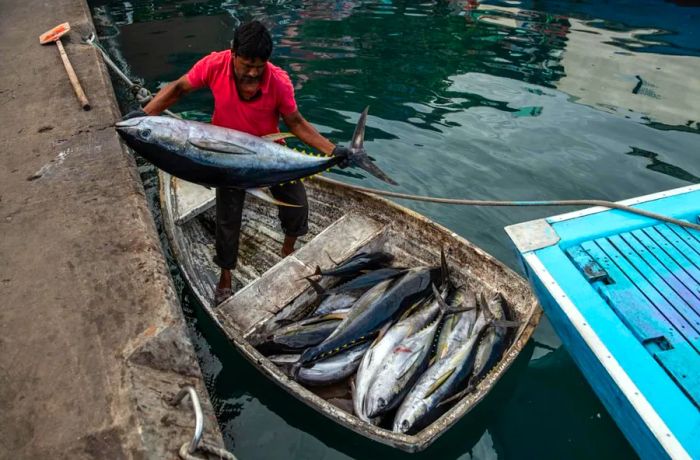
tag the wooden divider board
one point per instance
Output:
(192, 199)
(276, 288)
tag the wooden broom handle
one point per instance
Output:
(73, 77)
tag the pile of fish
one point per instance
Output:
(413, 341)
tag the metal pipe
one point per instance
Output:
(198, 417)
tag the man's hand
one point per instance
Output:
(135, 114)
(341, 151)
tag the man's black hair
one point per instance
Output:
(252, 40)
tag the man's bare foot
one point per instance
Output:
(221, 294)
(288, 245)
(224, 279)
(223, 290)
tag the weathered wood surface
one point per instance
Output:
(275, 289)
(192, 200)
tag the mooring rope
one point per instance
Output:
(464, 202)
(143, 96)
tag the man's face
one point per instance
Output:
(248, 72)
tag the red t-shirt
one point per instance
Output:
(259, 116)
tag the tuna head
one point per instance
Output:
(152, 137)
(408, 419)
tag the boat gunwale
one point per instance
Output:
(628, 202)
(408, 443)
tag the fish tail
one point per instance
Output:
(358, 156)
(317, 287)
(444, 270)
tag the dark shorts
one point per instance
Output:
(229, 211)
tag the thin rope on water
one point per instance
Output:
(466, 202)
(143, 95)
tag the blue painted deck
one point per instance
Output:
(623, 293)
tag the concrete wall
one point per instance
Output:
(91, 332)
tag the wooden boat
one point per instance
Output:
(342, 221)
(623, 293)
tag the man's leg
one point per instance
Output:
(295, 221)
(229, 210)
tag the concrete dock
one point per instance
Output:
(92, 337)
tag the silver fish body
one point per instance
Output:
(220, 157)
(302, 334)
(374, 359)
(493, 342)
(336, 302)
(334, 369)
(456, 327)
(380, 304)
(404, 363)
(441, 380)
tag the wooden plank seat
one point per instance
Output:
(266, 296)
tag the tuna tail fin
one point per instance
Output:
(315, 273)
(445, 271)
(444, 307)
(317, 287)
(358, 156)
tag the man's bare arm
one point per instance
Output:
(168, 96)
(302, 129)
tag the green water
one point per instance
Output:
(506, 100)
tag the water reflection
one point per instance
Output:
(531, 99)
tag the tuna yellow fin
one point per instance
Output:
(438, 383)
(336, 315)
(260, 193)
(277, 136)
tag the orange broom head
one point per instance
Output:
(54, 34)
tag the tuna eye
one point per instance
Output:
(145, 133)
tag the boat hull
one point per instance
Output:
(613, 288)
(329, 203)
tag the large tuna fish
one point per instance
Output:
(302, 334)
(382, 303)
(334, 369)
(495, 339)
(373, 360)
(220, 157)
(440, 381)
(409, 358)
(356, 264)
(367, 280)
(457, 327)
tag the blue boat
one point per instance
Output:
(623, 293)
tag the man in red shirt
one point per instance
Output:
(250, 95)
